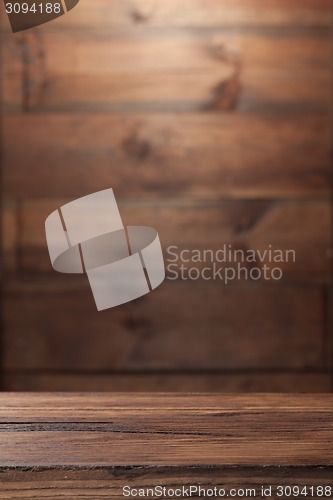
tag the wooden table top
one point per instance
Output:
(116, 430)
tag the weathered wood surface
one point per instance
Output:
(194, 154)
(52, 430)
(99, 483)
(188, 325)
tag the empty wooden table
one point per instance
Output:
(110, 445)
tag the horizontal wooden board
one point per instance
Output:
(166, 430)
(185, 325)
(192, 13)
(80, 407)
(182, 92)
(202, 13)
(169, 382)
(98, 483)
(201, 154)
(167, 71)
(303, 227)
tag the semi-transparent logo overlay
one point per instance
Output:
(122, 263)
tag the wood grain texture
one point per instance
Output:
(211, 119)
(185, 325)
(160, 430)
(107, 482)
(168, 70)
(226, 382)
(195, 154)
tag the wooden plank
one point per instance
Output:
(80, 407)
(174, 50)
(184, 92)
(99, 483)
(161, 430)
(169, 382)
(303, 227)
(193, 13)
(172, 70)
(201, 154)
(189, 325)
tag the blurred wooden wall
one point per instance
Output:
(211, 120)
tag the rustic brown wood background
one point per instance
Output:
(80, 446)
(211, 120)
